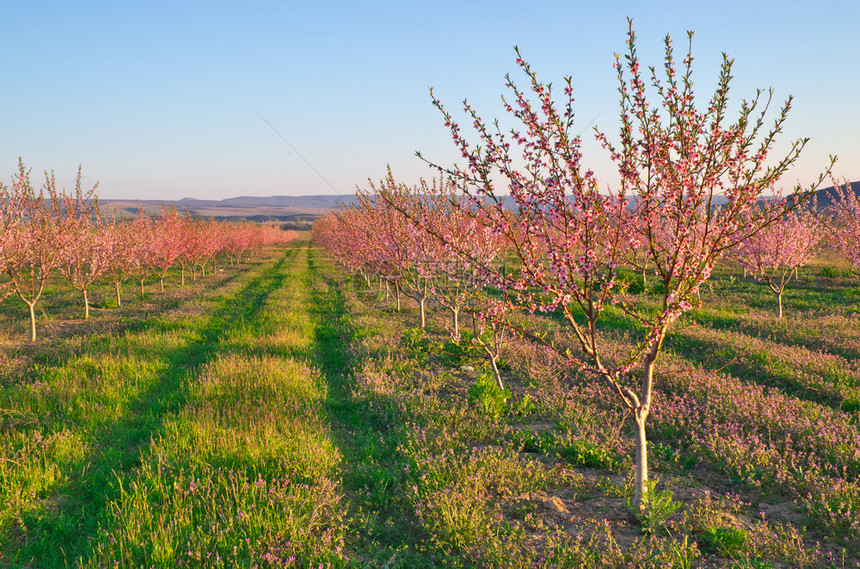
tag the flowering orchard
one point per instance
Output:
(416, 239)
(51, 231)
(572, 238)
(776, 252)
(689, 177)
(844, 228)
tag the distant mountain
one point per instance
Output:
(298, 208)
(322, 202)
(825, 197)
(274, 208)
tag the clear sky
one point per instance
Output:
(163, 99)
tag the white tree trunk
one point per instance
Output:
(32, 306)
(641, 459)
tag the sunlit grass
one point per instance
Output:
(282, 417)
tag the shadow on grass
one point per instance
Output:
(72, 514)
(780, 332)
(367, 430)
(712, 354)
(60, 339)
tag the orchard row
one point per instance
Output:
(53, 231)
(522, 226)
(425, 243)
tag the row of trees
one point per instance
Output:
(413, 239)
(774, 254)
(392, 235)
(691, 183)
(52, 231)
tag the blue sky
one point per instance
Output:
(160, 100)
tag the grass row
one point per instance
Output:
(283, 418)
(195, 437)
(547, 473)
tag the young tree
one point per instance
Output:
(10, 216)
(374, 231)
(415, 254)
(844, 228)
(118, 241)
(195, 249)
(34, 235)
(31, 245)
(142, 243)
(167, 243)
(775, 253)
(82, 257)
(211, 244)
(455, 284)
(571, 237)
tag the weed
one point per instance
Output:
(460, 351)
(418, 343)
(655, 509)
(486, 395)
(586, 453)
(833, 272)
(524, 407)
(728, 542)
(750, 562)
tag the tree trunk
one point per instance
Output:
(492, 355)
(118, 296)
(641, 488)
(496, 374)
(422, 309)
(456, 320)
(32, 306)
(181, 275)
(779, 305)
(641, 407)
(86, 305)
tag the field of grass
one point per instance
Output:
(279, 414)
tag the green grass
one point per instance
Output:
(275, 415)
(112, 437)
(245, 471)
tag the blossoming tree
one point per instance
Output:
(34, 231)
(402, 216)
(845, 227)
(82, 256)
(143, 244)
(118, 241)
(168, 243)
(571, 236)
(775, 253)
